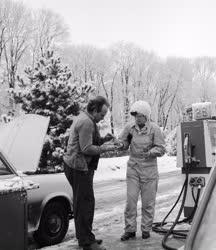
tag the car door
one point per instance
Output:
(13, 209)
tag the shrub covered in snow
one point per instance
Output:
(50, 92)
(5, 118)
(171, 143)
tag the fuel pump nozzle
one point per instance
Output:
(189, 151)
(187, 148)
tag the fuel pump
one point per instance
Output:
(196, 156)
(196, 151)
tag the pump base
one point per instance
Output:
(188, 211)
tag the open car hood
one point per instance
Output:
(21, 141)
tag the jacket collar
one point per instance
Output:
(90, 116)
(143, 130)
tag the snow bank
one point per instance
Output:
(115, 168)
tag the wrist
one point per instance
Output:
(149, 154)
(100, 151)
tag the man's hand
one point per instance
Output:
(108, 137)
(119, 144)
(107, 147)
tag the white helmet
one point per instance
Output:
(141, 107)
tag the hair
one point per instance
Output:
(133, 113)
(97, 104)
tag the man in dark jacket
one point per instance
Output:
(81, 160)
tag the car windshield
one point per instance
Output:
(205, 238)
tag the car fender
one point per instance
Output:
(61, 197)
(51, 186)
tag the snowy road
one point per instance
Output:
(110, 196)
(109, 220)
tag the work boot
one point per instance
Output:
(145, 235)
(94, 246)
(98, 241)
(128, 235)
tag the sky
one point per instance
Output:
(184, 28)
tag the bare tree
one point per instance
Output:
(48, 29)
(2, 38)
(3, 25)
(174, 74)
(204, 74)
(17, 35)
(84, 62)
(108, 88)
(123, 55)
(5, 10)
(143, 76)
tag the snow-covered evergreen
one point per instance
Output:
(50, 92)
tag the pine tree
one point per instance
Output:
(50, 92)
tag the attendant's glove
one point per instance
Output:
(146, 154)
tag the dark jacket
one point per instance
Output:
(83, 150)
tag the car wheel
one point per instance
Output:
(53, 225)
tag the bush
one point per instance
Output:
(171, 143)
(50, 92)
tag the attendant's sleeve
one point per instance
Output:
(158, 148)
(125, 137)
(85, 131)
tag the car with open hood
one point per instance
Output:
(49, 196)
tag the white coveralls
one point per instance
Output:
(142, 173)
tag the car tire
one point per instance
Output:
(53, 224)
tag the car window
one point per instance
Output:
(4, 170)
(205, 238)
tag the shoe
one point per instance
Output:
(94, 246)
(128, 235)
(145, 235)
(98, 241)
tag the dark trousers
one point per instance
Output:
(83, 203)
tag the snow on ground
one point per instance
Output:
(115, 168)
(108, 223)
